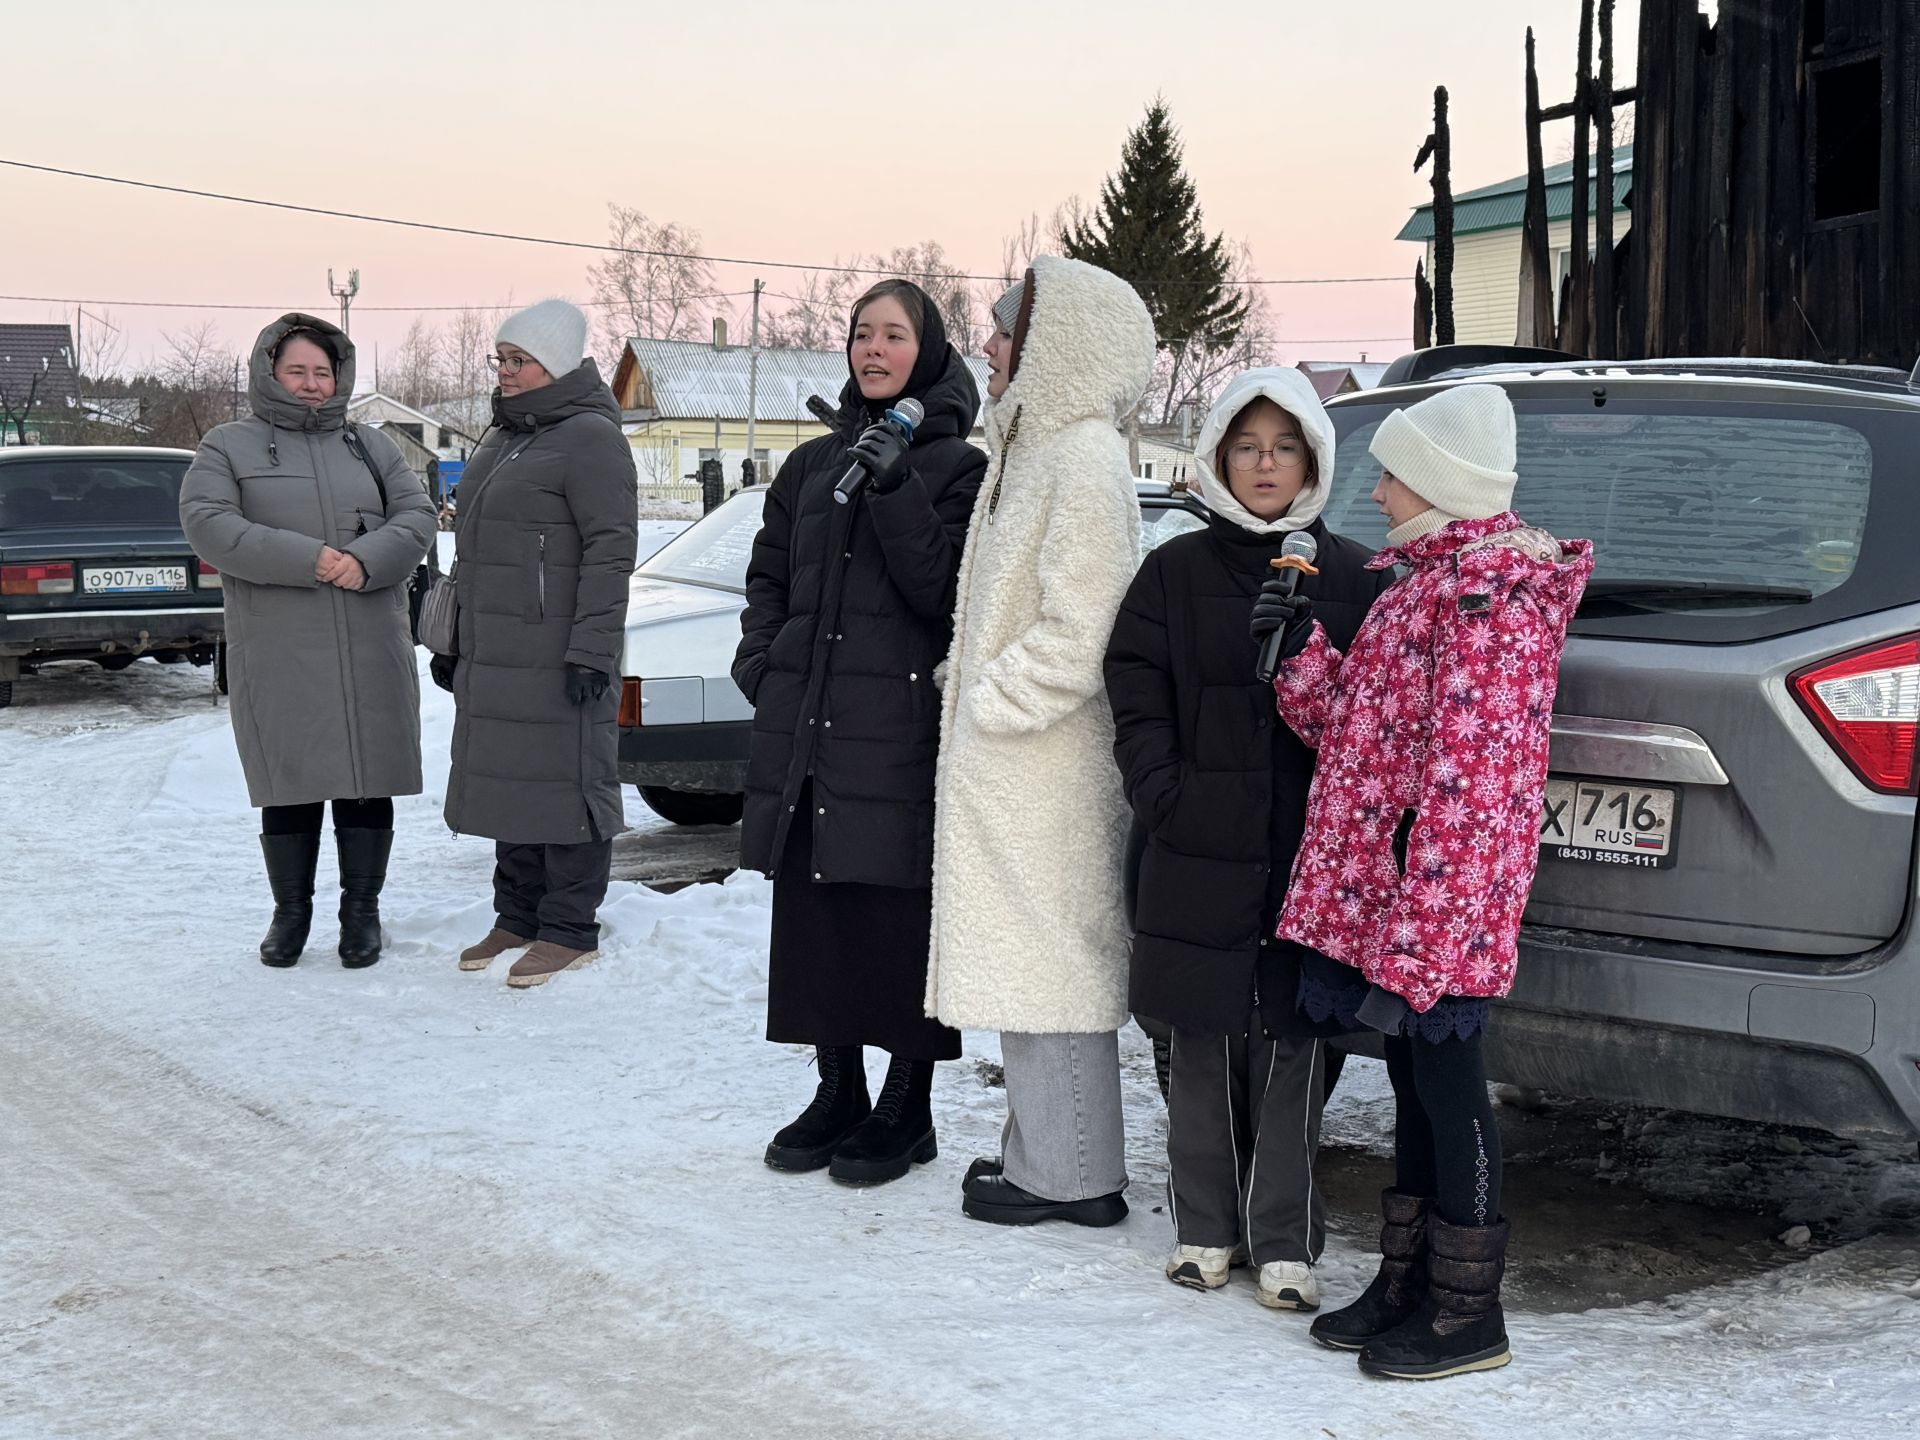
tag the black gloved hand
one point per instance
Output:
(885, 455)
(441, 668)
(1277, 610)
(586, 684)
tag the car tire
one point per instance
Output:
(220, 667)
(6, 693)
(118, 661)
(686, 807)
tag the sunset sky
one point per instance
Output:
(779, 131)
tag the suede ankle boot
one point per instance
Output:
(899, 1133)
(839, 1104)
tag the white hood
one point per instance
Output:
(1293, 393)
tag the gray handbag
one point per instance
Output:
(438, 625)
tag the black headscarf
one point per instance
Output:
(928, 367)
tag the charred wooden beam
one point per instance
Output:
(1536, 278)
(1422, 307)
(1439, 148)
(1574, 336)
(1605, 318)
(1565, 112)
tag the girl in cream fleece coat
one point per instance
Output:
(1029, 933)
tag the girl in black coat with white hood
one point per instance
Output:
(1221, 790)
(849, 609)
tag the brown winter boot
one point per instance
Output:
(1460, 1328)
(544, 960)
(497, 943)
(1399, 1287)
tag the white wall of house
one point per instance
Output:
(1486, 279)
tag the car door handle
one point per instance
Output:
(1633, 750)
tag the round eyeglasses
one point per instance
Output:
(1287, 455)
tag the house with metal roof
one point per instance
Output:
(39, 385)
(1486, 247)
(685, 401)
(1342, 377)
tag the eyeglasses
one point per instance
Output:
(506, 364)
(1287, 455)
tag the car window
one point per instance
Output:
(58, 493)
(715, 549)
(1710, 498)
(1160, 523)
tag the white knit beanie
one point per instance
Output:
(1455, 450)
(554, 332)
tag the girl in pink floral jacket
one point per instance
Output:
(1421, 841)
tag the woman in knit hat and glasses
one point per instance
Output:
(544, 543)
(1421, 841)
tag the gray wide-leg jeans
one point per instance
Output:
(1065, 1137)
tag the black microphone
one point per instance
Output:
(1295, 556)
(901, 419)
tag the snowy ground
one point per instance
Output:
(408, 1201)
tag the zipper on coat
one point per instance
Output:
(543, 575)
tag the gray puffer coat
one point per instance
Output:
(545, 540)
(325, 684)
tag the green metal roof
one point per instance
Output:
(1503, 206)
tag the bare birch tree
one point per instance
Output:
(655, 286)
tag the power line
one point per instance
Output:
(283, 309)
(590, 244)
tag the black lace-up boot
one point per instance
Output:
(839, 1104)
(899, 1133)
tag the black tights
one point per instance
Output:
(1446, 1144)
(376, 814)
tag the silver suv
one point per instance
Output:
(1724, 915)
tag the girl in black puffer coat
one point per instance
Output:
(1220, 787)
(849, 609)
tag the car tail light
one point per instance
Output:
(1867, 704)
(629, 701)
(208, 577)
(55, 579)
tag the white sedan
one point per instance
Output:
(684, 725)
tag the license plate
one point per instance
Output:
(133, 579)
(1603, 822)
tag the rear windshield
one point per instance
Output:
(1709, 520)
(715, 549)
(63, 493)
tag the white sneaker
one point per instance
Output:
(1288, 1285)
(1199, 1267)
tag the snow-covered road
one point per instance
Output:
(407, 1201)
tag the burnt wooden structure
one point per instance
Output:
(1436, 304)
(1776, 187)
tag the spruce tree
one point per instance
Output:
(1148, 230)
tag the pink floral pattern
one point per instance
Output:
(1442, 708)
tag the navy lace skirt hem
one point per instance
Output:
(1331, 993)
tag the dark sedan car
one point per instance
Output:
(93, 565)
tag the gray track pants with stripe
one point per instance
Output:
(1243, 1125)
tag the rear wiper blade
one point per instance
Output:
(1696, 592)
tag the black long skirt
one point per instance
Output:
(848, 963)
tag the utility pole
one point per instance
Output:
(344, 294)
(753, 382)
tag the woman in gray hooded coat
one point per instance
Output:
(316, 527)
(548, 523)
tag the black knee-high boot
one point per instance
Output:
(290, 864)
(363, 873)
(839, 1104)
(899, 1133)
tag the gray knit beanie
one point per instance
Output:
(554, 332)
(1006, 310)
